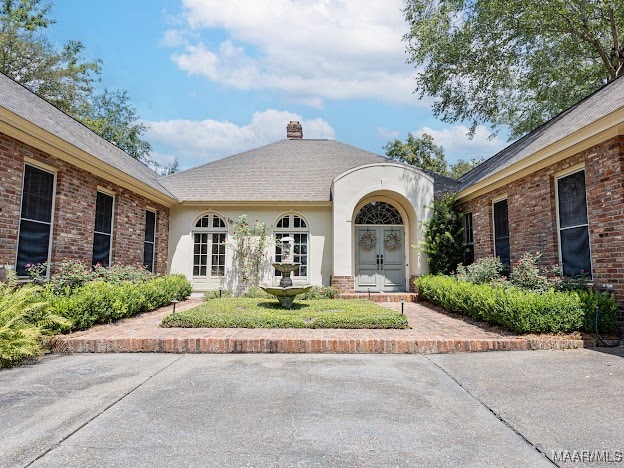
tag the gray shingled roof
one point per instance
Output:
(606, 100)
(31, 107)
(287, 170)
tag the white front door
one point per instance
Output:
(380, 258)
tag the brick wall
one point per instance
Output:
(343, 283)
(74, 213)
(533, 218)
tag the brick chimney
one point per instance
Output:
(294, 130)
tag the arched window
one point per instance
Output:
(378, 212)
(209, 235)
(292, 225)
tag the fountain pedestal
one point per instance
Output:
(286, 292)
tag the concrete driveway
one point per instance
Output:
(477, 409)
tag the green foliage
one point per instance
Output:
(112, 116)
(24, 317)
(518, 310)
(483, 271)
(256, 292)
(248, 243)
(607, 310)
(512, 63)
(260, 313)
(423, 153)
(525, 274)
(64, 78)
(320, 292)
(444, 244)
(217, 294)
(102, 302)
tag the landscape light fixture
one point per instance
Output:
(402, 305)
(174, 301)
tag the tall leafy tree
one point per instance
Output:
(513, 63)
(424, 153)
(64, 78)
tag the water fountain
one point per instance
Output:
(286, 292)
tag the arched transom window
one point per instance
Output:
(209, 237)
(378, 212)
(294, 226)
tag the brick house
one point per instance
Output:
(559, 190)
(67, 193)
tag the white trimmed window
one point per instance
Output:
(573, 224)
(292, 225)
(209, 241)
(35, 228)
(103, 232)
(149, 245)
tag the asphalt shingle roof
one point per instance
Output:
(606, 100)
(31, 107)
(287, 170)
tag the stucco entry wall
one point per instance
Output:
(409, 189)
(182, 219)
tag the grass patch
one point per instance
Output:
(266, 313)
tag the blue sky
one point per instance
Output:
(212, 78)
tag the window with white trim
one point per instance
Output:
(573, 224)
(468, 238)
(149, 245)
(33, 245)
(103, 232)
(209, 242)
(292, 225)
(501, 231)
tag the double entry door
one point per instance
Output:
(380, 258)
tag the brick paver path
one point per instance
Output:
(431, 332)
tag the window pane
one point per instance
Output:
(469, 255)
(575, 251)
(34, 240)
(502, 250)
(103, 213)
(284, 222)
(37, 195)
(148, 256)
(501, 232)
(101, 249)
(218, 222)
(150, 226)
(572, 200)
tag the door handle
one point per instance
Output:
(378, 262)
(381, 261)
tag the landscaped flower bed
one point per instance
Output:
(265, 313)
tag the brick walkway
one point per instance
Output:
(431, 332)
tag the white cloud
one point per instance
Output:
(309, 49)
(389, 134)
(457, 144)
(200, 141)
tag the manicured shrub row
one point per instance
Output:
(102, 302)
(607, 311)
(518, 310)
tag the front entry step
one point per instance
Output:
(380, 296)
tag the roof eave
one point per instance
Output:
(23, 130)
(595, 133)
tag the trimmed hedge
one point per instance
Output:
(518, 310)
(103, 302)
(607, 311)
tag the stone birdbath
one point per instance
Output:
(286, 292)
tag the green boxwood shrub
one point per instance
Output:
(518, 310)
(607, 310)
(103, 302)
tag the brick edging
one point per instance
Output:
(287, 345)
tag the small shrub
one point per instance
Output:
(24, 317)
(483, 271)
(319, 292)
(256, 293)
(525, 274)
(118, 273)
(518, 310)
(217, 294)
(607, 310)
(71, 275)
